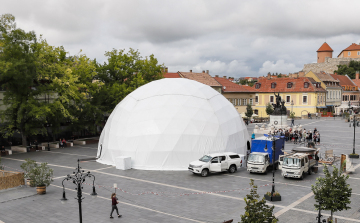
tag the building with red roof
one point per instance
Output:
(350, 89)
(301, 95)
(353, 51)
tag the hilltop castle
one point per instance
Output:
(326, 63)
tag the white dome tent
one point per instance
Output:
(166, 124)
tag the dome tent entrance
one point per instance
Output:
(166, 124)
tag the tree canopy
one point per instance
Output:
(44, 84)
(350, 69)
(249, 111)
(332, 192)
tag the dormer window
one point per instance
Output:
(273, 85)
(289, 85)
(306, 85)
(257, 85)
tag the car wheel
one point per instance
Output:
(309, 172)
(204, 172)
(232, 169)
(302, 176)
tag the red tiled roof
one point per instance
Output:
(325, 48)
(352, 47)
(323, 76)
(200, 77)
(281, 85)
(172, 75)
(232, 87)
(344, 80)
(357, 82)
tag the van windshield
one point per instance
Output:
(256, 158)
(291, 162)
(205, 158)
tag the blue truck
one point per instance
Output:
(261, 158)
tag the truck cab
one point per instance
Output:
(258, 162)
(296, 165)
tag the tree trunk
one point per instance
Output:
(23, 139)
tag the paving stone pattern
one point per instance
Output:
(169, 196)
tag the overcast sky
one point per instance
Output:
(232, 38)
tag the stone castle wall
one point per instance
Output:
(328, 66)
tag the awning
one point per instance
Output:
(321, 106)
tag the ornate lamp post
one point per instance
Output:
(273, 138)
(78, 178)
(354, 125)
(47, 125)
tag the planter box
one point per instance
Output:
(69, 144)
(79, 142)
(269, 198)
(354, 156)
(19, 149)
(51, 144)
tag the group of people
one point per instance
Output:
(299, 136)
(62, 143)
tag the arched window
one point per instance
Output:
(289, 85)
(306, 85)
(273, 85)
(257, 85)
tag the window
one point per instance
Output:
(306, 85)
(272, 99)
(349, 53)
(234, 156)
(273, 85)
(239, 101)
(244, 101)
(256, 99)
(287, 99)
(256, 112)
(289, 85)
(304, 99)
(234, 102)
(358, 53)
(257, 85)
(318, 99)
(250, 101)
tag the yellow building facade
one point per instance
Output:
(301, 95)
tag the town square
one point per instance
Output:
(179, 111)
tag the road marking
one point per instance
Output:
(292, 205)
(105, 168)
(334, 216)
(68, 154)
(137, 206)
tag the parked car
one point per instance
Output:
(217, 162)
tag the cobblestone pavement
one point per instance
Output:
(171, 196)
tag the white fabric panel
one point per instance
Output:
(166, 124)
(123, 162)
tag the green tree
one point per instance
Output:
(122, 74)
(269, 109)
(332, 191)
(251, 83)
(349, 69)
(256, 210)
(249, 111)
(243, 82)
(292, 114)
(39, 81)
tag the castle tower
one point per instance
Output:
(323, 52)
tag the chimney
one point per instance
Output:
(216, 75)
(269, 75)
(190, 71)
(207, 71)
(357, 75)
(335, 73)
(203, 71)
(224, 77)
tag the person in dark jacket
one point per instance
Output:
(114, 203)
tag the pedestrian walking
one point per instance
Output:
(317, 158)
(114, 203)
(61, 143)
(253, 135)
(292, 121)
(310, 136)
(318, 137)
(64, 142)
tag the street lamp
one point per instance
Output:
(78, 179)
(354, 125)
(273, 138)
(47, 125)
